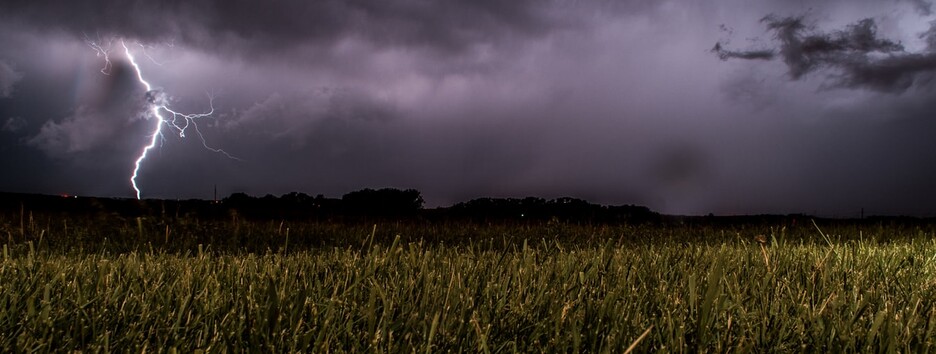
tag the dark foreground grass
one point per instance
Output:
(474, 288)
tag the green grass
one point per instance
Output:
(322, 287)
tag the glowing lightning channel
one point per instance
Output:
(158, 102)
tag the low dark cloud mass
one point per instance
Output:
(858, 57)
(445, 26)
(617, 102)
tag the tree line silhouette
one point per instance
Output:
(385, 203)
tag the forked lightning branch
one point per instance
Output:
(158, 108)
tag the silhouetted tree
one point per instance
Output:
(383, 202)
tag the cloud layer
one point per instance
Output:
(450, 26)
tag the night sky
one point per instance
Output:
(687, 107)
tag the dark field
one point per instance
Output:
(169, 279)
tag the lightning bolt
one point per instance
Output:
(158, 107)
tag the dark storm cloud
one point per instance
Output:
(923, 7)
(97, 119)
(857, 56)
(297, 117)
(448, 26)
(724, 54)
(8, 78)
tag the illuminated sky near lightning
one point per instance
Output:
(617, 102)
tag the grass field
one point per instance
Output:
(163, 285)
